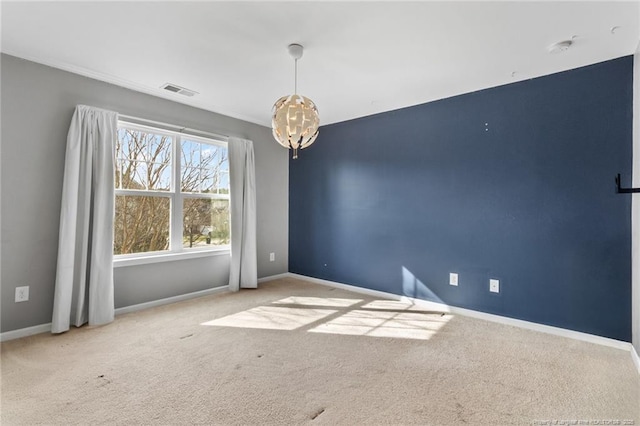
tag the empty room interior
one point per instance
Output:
(339, 213)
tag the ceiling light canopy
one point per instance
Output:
(295, 118)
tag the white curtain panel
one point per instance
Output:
(84, 278)
(244, 262)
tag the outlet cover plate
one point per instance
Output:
(494, 286)
(272, 257)
(453, 278)
(22, 294)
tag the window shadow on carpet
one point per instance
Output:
(342, 316)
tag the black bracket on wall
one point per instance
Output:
(625, 190)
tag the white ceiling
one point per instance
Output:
(360, 57)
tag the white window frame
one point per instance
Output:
(176, 251)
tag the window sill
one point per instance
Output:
(119, 262)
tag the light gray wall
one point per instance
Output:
(135, 284)
(37, 105)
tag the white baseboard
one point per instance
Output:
(441, 307)
(24, 332)
(173, 299)
(273, 277)
(45, 328)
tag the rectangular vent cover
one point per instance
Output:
(180, 90)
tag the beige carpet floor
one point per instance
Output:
(297, 353)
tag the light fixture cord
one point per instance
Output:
(295, 84)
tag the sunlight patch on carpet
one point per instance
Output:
(318, 301)
(272, 317)
(403, 325)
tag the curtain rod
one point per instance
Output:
(180, 129)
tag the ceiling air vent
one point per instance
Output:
(177, 89)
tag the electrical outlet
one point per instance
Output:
(22, 294)
(494, 286)
(272, 257)
(453, 278)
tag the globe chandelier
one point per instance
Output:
(295, 118)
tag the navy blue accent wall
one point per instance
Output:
(514, 183)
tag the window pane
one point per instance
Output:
(205, 222)
(204, 168)
(141, 224)
(144, 160)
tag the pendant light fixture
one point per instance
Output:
(295, 118)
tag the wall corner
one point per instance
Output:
(635, 207)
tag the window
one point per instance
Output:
(172, 192)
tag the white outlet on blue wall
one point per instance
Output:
(494, 286)
(453, 278)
